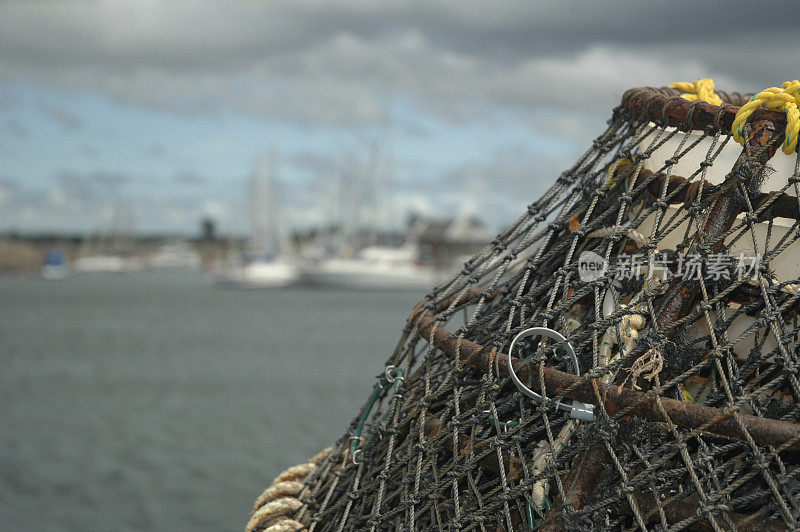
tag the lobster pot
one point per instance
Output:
(660, 389)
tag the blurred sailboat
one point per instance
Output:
(374, 268)
(356, 261)
(268, 261)
(176, 255)
(55, 266)
(110, 251)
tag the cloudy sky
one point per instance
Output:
(475, 106)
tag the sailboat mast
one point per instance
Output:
(268, 237)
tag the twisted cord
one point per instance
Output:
(702, 89)
(786, 98)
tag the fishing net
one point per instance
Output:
(660, 389)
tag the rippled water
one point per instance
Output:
(160, 402)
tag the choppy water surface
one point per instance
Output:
(160, 402)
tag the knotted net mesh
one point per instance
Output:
(667, 255)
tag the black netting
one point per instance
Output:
(688, 343)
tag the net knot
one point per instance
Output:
(647, 366)
(786, 99)
(457, 472)
(760, 462)
(705, 306)
(701, 89)
(750, 218)
(626, 489)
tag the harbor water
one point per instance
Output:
(161, 402)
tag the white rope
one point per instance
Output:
(631, 233)
(280, 497)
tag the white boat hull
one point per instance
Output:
(261, 275)
(367, 275)
(54, 272)
(99, 264)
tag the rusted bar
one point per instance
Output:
(579, 484)
(677, 510)
(681, 190)
(690, 416)
(678, 299)
(733, 98)
(685, 415)
(512, 465)
(657, 106)
(649, 104)
(589, 465)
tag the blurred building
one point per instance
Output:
(445, 244)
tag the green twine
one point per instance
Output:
(384, 383)
(505, 425)
(529, 510)
(559, 350)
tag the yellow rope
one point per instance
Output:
(686, 395)
(787, 99)
(612, 169)
(702, 89)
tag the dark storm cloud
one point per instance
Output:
(559, 67)
(324, 62)
(229, 35)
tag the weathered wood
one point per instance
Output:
(677, 510)
(615, 399)
(679, 298)
(578, 485)
(681, 190)
(649, 104)
(665, 107)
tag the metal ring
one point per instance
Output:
(539, 331)
(389, 376)
(356, 455)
